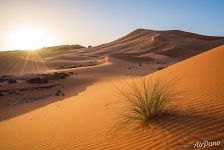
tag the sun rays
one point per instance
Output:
(27, 62)
(37, 62)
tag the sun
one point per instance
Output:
(28, 38)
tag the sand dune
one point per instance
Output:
(83, 121)
(139, 46)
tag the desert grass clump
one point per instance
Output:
(144, 99)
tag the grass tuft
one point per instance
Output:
(145, 99)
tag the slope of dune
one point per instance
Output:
(83, 121)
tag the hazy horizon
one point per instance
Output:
(101, 21)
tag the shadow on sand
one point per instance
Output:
(10, 111)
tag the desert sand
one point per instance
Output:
(78, 109)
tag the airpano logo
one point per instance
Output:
(206, 143)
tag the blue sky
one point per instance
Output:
(93, 22)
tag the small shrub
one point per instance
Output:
(59, 93)
(38, 80)
(12, 81)
(145, 99)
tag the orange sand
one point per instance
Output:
(83, 121)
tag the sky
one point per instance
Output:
(94, 22)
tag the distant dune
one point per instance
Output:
(139, 46)
(172, 43)
(83, 121)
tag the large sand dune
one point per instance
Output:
(83, 121)
(139, 46)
